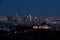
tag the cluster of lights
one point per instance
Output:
(40, 27)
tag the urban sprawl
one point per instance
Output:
(10, 22)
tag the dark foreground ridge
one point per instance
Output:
(42, 34)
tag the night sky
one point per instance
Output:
(33, 7)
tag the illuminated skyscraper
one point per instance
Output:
(36, 19)
(16, 18)
(30, 17)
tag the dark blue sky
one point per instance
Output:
(33, 7)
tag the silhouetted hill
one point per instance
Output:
(42, 34)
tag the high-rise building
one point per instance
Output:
(35, 19)
(30, 17)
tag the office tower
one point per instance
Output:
(30, 17)
(16, 18)
(36, 19)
